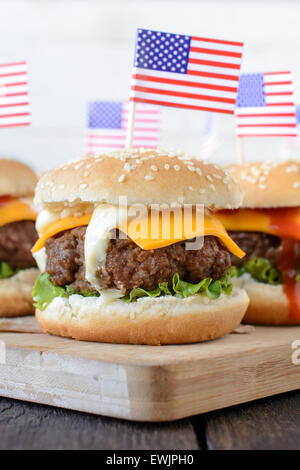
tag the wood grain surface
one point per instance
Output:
(270, 424)
(37, 427)
(146, 383)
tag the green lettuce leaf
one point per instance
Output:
(139, 292)
(6, 271)
(208, 287)
(85, 293)
(44, 291)
(261, 270)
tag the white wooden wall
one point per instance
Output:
(80, 50)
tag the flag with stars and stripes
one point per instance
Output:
(186, 71)
(14, 97)
(265, 105)
(107, 125)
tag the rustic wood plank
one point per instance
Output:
(268, 424)
(30, 426)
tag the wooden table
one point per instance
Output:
(272, 423)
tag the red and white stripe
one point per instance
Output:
(278, 117)
(14, 99)
(146, 131)
(210, 84)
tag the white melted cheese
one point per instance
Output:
(45, 218)
(105, 218)
(41, 259)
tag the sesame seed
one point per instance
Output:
(176, 167)
(149, 177)
(86, 173)
(191, 168)
(166, 166)
(262, 186)
(121, 179)
(181, 199)
(198, 170)
(213, 187)
(209, 178)
(296, 184)
(218, 177)
(127, 167)
(154, 168)
(229, 187)
(88, 166)
(292, 169)
(191, 188)
(201, 191)
(83, 186)
(79, 165)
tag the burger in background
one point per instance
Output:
(118, 266)
(18, 270)
(267, 228)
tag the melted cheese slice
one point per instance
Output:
(140, 230)
(283, 222)
(16, 210)
(150, 233)
(59, 226)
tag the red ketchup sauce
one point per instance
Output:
(4, 200)
(284, 223)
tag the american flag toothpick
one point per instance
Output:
(265, 105)
(107, 125)
(14, 97)
(185, 72)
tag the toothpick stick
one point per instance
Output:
(240, 150)
(130, 127)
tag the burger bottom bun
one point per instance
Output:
(15, 293)
(268, 304)
(153, 321)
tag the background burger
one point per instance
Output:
(18, 269)
(107, 281)
(267, 228)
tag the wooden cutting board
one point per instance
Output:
(146, 383)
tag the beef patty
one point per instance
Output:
(128, 266)
(16, 241)
(259, 245)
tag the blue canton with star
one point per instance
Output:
(105, 115)
(164, 52)
(251, 90)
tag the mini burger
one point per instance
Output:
(267, 228)
(121, 263)
(18, 269)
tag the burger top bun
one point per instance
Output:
(269, 184)
(144, 176)
(16, 179)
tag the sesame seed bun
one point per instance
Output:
(144, 176)
(269, 184)
(268, 304)
(153, 321)
(15, 293)
(16, 179)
